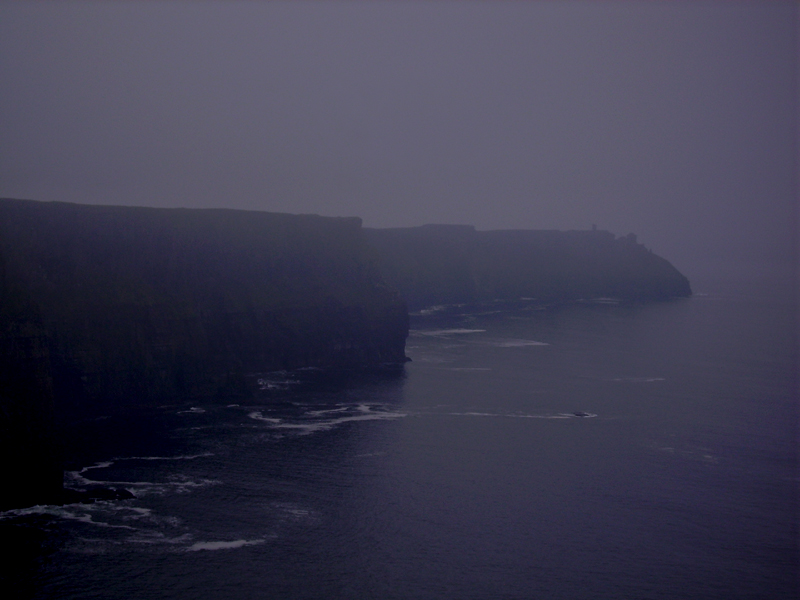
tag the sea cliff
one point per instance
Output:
(105, 307)
(446, 264)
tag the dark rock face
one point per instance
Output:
(108, 306)
(443, 264)
(28, 447)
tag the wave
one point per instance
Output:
(277, 384)
(158, 537)
(444, 332)
(176, 482)
(315, 413)
(518, 343)
(68, 512)
(602, 300)
(430, 310)
(183, 457)
(258, 416)
(573, 415)
(89, 514)
(223, 545)
(359, 412)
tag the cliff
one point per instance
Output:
(444, 264)
(107, 306)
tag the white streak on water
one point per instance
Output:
(444, 332)
(222, 545)
(258, 416)
(307, 424)
(184, 457)
(178, 483)
(69, 512)
(316, 413)
(524, 416)
(519, 343)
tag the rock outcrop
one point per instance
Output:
(445, 264)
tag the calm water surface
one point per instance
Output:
(588, 451)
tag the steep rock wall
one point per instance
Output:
(441, 264)
(104, 307)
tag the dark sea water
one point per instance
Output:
(590, 451)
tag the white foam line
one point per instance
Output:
(223, 545)
(518, 416)
(520, 343)
(325, 425)
(141, 512)
(62, 512)
(100, 465)
(315, 413)
(260, 417)
(144, 484)
(440, 332)
(184, 457)
(365, 413)
(156, 537)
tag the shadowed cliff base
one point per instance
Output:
(445, 264)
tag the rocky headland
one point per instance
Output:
(448, 264)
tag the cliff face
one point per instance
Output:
(106, 306)
(152, 304)
(28, 448)
(442, 264)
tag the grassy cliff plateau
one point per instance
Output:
(442, 264)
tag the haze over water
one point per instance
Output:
(588, 451)
(676, 121)
(469, 476)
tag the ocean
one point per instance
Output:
(586, 451)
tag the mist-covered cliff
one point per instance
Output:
(441, 264)
(104, 307)
(107, 307)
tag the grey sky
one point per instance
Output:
(674, 120)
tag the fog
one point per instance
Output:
(673, 120)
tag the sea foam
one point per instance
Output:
(223, 545)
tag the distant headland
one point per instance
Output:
(444, 264)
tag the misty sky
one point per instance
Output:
(674, 120)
